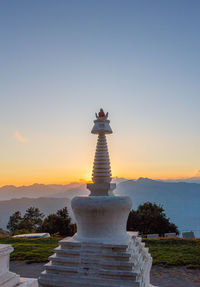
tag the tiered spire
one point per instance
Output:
(101, 169)
(101, 175)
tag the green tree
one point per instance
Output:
(14, 221)
(58, 223)
(30, 222)
(32, 219)
(150, 218)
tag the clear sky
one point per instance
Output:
(60, 61)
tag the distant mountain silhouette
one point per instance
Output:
(37, 190)
(181, 200)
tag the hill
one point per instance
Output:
(39, 190)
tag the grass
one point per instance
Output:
(175, 252)
(168, 252)
(31, 250)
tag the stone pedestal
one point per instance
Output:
(92, 264)
(102, 253)
(10, 279)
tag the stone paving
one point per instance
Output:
(161, 277)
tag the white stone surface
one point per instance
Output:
(101, 218)
(97, 264)
(33, 235)
(28, 282)
(10, 279)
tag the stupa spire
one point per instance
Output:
(101, 175)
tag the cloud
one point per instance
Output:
(20, 138)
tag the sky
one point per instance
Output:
(60, 61)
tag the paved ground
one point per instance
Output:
(175, 277)
(162, 277)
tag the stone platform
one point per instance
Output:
(98, 264)
(10, 279)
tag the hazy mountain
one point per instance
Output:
(78, 191)
(180, 200)
(38, 190)
(46, 206)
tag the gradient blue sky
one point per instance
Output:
(60, 61)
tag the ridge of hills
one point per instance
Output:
(180, 200)
(38, 190)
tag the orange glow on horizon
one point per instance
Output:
(64, 180)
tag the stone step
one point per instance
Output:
(67, 252)
(116, 265)
(67, 260)
(73, 270)
(69, 244)
(115, 248)
(55, 280)
(121, 274)
(61, 269)
(94, 258)
(116, 255)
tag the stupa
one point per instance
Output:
(102, 253)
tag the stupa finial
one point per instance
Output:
(101, 115)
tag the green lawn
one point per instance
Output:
(31, 250)
(165, 252)
(175, 252)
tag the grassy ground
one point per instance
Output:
(31, 250)
(165, 252)
(175, 252)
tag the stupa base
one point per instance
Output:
(87, 264)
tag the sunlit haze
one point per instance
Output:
(63, 60)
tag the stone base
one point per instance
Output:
(28, 282)
(87, 264)
(10, 279)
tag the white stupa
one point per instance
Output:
(102, 253)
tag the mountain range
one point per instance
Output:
(180, 200)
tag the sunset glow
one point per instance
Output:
(61, 62)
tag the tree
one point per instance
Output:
(58, 223)
(14, 221)
(30, 222)
(32, 219)
(150, 218)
